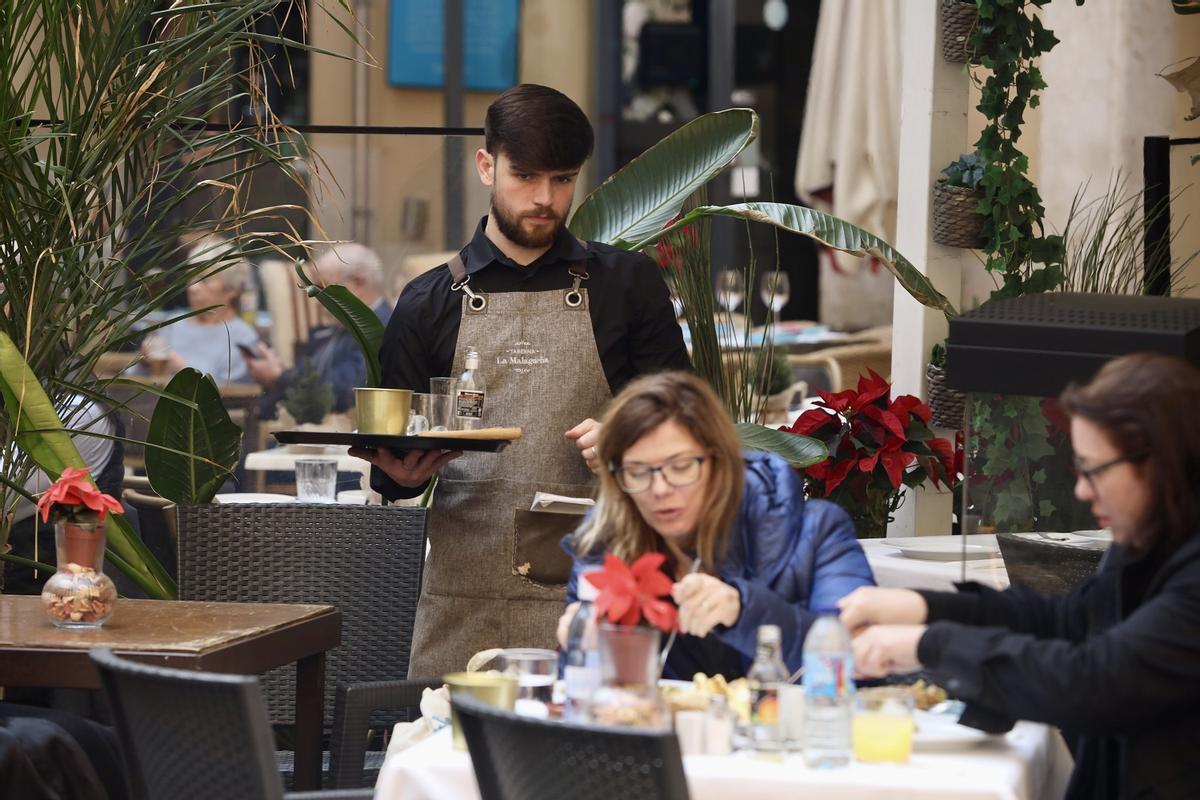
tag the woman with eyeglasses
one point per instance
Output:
(1115, 663)
(743, 545)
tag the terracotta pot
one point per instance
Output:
(80, 543)
(629, 655)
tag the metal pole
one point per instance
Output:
(1156, 206)
(721, 26)
(452, 98)
(606, 22)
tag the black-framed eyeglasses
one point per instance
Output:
(677, 472)
(1090, 474)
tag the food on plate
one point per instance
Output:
(697, 696)
(925, 695)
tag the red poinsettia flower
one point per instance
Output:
(74, 493)
(630, 592)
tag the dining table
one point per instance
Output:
(240, 638)
(936, 562)
(1031, 762)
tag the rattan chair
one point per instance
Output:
(366, 560)
(192, 735)
(517, 758)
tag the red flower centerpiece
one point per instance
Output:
(629, 595)
(875, 446)
(79, 594)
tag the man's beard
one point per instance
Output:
(510, 226)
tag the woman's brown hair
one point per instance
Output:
(1148, 404)
(616, 525)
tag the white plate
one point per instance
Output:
(941, 550)
(254, 497)
(942, 732)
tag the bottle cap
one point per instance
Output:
(769, 634)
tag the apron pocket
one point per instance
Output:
(538, 556)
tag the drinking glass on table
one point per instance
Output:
(731, 288)
(774, 289)
(883, 724)
(535, 670)
(316, 480)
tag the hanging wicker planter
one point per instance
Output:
(959, 20)
(948, 405)
(956, 223)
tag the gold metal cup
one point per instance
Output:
(383, 410)
(494, 688)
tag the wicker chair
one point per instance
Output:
(366, 560)
(517, 758)
(193, 734)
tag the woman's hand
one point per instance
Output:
(885, 649)
(705, 602)
(564, 624)
(871, 605)
(411, 471)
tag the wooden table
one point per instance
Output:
(243, 638)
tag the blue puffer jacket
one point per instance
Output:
(787, 555)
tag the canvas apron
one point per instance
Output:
(496, 574)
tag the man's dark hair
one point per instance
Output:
(538, 128)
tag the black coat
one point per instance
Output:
(1115, 664)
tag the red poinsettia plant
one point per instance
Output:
(74, 498)
(876, 444)
(631, 592)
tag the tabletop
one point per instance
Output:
(1030, 763)
(897, 566)
(284, 459)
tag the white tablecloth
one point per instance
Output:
(1030, 763)
(894, 569)
(283, 460)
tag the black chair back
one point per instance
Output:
(365, 560)
(190, 735)
(517, 758)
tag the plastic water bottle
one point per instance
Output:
(828, 692)
(581, 672)
(766, 675)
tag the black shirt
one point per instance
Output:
(632, 318)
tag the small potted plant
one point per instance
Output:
(946, 405)
(875, 445)
(631, 594)
(957, 221)
(78, 594)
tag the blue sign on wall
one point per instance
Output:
(489, 43)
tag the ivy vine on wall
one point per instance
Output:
(1018, 251)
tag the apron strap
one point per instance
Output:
(573, 297)
(458, 271)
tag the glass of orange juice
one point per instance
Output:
(883, 724)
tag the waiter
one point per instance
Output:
(560, 325)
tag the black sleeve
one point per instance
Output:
(1143, 671)
(656, 342)
(405, 359)
(1017, 608)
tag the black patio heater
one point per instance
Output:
(1012, 358)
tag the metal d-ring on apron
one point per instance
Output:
(495, 574)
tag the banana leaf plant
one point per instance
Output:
(354, 315)
(644, 203)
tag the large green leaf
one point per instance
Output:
(649, 191)
(193, 446)
(355, 315)
(829, 230)
(800, 451)
(41, 435)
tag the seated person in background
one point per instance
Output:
(331, 350)
(676, 481)
(1116, 662)
(209, 342)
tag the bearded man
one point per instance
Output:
(561, 325)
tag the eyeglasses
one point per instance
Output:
(1090, 474)
(682, 471)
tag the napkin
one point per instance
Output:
(435, 715)
(561, 504)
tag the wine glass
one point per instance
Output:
(774, 289)
(731, 289)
